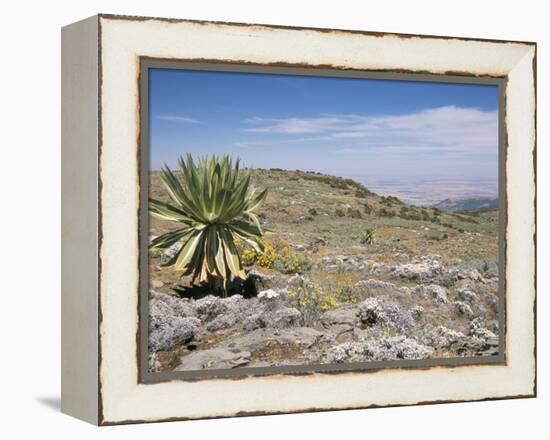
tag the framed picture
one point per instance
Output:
(262, 219)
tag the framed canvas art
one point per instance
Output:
(262, 219)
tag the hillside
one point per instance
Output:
(426, 287)
(328, 214)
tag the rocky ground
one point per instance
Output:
(426, 287)
(426, 307)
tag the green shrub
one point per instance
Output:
(354, 213)
(339, 212)
(383, 212)
(367, 236)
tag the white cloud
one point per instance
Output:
(173, 118)
(447, 129)
(298, 125)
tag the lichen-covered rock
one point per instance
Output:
(214, 358)
(268, 295)
(170, 304)
(417, 312)
(463, 308)
(442, 337)
(348, 262)
(272, 298)
(472, 274)
(370, 312)
(378, 286)
(398, 347)
(166, 332)
(154, 364)
(345, 315)
(296, 280)
(210, 307)
(432, 291)
(279, 318)
(423, 270)
(222, 322)
(478, 329)
(170, 252)
(303, 337)
(385, 312)
(467, 296)
(222, 313)
(171, 322)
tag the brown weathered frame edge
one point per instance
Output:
(101, 420)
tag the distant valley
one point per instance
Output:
(447, 194)
(468, 204)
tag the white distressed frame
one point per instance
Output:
(122, 41)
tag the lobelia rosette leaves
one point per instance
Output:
(215, 203)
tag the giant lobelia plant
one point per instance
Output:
(215, 204)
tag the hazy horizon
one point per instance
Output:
(389, 134)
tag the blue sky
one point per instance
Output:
(358, 128)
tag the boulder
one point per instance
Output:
(386, 313)
(279, 318)
(442, 337)
(170, 304)
(398, 347)
(344, 315)
(467, 296)
(423, 270)
(214, 358)
(381, 287)
(167, 332)
(432, 291)
(463, 308)
(171, 251)
(304, 337)
(171, 322)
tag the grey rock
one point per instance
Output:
(214, 358)
(166, 333)
(170, 252)
(398, 347)
(463, 308)
(443, 337)
(384, 312)
(346, 262)
(269, 295)
(370, 311)
(423, 270)
(279, 318)
(171, 322)
(467, 295)
(156, 284)
(478, 330)
(296, 280)
(256, 339)
(346, 315)
(417, 312)
(222, 322)
(379, 286)
(170, 304)
(260, 276)
(432, 291)
(471, 274)
(154, 363)
(210, 307)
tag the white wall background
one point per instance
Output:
(30, 216)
